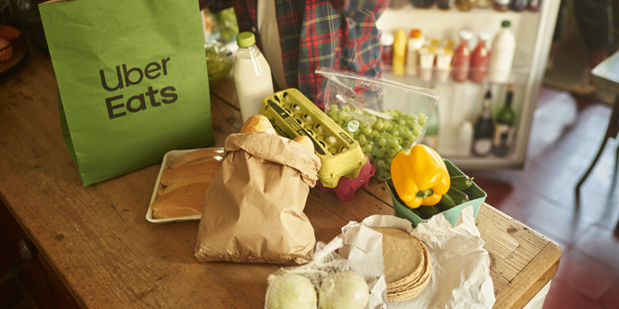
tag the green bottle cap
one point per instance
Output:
(245, 39)
(506, 24)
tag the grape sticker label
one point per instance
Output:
(353, 125)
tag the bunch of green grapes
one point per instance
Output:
(381, 139)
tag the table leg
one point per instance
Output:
(611, 131)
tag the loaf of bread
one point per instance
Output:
(305, 141)
(257, 123)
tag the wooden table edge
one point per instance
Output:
(509, 299)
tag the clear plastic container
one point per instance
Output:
(390, 117)
(218, 62)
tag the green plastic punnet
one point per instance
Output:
(292, 114)
(477, 197)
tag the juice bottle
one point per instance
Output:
(503, 49)
(500, 5)
(399, 52)
(415, 42)
(479, 59)
(462, 58)
(252, 75)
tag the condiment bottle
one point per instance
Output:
(518, 5)
(415, 42)
(465, 5)
(399, 52)
(386, 50)
(426, 62)
(500, 5)
(503, 49)
(252, 75)
(534, 5)
(450, 44)
(479, 58)
(462, 58)
(444, 56)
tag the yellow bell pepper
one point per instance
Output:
(420, 177)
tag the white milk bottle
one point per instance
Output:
(252, 75)
(502, 54)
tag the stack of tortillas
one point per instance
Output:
(407, 264)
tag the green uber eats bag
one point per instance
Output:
(132, 81)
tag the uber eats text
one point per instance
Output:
(119, 105)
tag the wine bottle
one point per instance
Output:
(483, 132)
(504, 128)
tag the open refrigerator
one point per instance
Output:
(462, 101)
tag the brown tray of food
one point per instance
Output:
(181, 185)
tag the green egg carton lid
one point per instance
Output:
(292, 114)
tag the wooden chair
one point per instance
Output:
(605, 76)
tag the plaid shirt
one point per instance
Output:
(337, 34)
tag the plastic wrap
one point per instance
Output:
(383, 116)
(325, 263)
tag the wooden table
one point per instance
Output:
(95, 241)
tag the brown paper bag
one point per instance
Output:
(253, 210)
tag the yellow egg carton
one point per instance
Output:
(292, 114)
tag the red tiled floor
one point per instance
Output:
(565, 136)
(611, 299)
(600, 244)
(589, 278)
(562, 296)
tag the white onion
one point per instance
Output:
(344, 290)
(291, 292)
